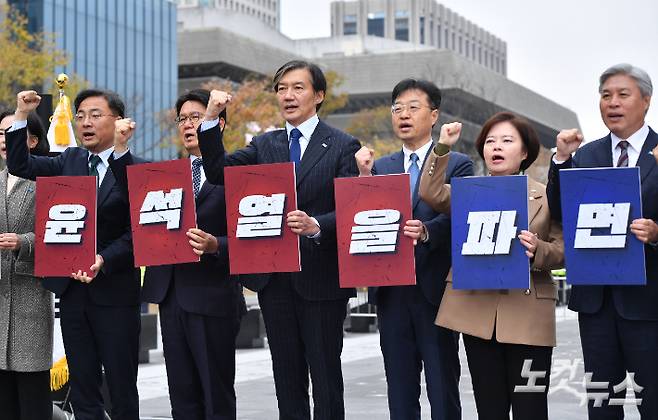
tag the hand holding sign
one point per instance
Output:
(26, 102)
(646, 230)
(529, 241)
(202, 242)
(365, 159)
(450, 133)
(123, 131)
(93, 270)
(301, 223)
(567, 142)
(416, 230)
(10, 241)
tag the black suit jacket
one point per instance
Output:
(329, 155)
(117, 284)
(432, 258)
(631, 302)
(204, 287)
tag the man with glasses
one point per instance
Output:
(99, 306)
(200, 304)
(408, 337)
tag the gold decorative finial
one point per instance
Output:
(62, 80)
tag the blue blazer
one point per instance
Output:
(118, 283)
(329, 155)
(631, 302)
(433, 259)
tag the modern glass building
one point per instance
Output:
(128, 46)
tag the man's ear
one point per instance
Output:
(222, 124)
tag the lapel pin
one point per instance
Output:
(324, 144)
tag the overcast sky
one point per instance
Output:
(557, 48)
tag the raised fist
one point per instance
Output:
(365, 160)
(567, 142)
(123, 131)
(26, 102)
(216, 104)
(450, 133)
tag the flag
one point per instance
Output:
(60, 133)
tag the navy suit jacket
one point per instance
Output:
(118, 283)
(432, 258)
(631, 302)
(329, 155)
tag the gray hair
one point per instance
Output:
(640, 76)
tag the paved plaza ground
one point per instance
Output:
(365, 384)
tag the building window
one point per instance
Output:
(422, 29)
(453, 42)
(349, 25)
(431, 32)
(438, 34)
(376, 24)
(461, 48)
(468, 48)
(402, 25)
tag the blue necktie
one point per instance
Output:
(196, 175)
(413, 171)
(295, 148)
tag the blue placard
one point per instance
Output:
(598, 205)
(486, 253)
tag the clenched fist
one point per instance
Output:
(450, 133)
(123, 130)
(216, 104)
(26, 102)
(567, 142)
(365, 159)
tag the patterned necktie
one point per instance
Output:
(622, 162)
(94, 160)
(295, 148)
(413, 171)
(196, 175)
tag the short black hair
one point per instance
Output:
(36, 128)
(201, 96)
(5, 114)
(431, 90)
(318, 81)
(114, 101)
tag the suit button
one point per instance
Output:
(527, 292)
(430, 173)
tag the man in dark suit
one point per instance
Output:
(200, 304)
(304, 311)
(410, 340)
(619, 324)
(99, 304)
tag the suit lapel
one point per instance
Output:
(203, 192)
(318, 145)
(604, 153)
(646, 161)
(534, 202)
(280, 148)
(414, 195)
(18, 195)
(106, 187)
(3, 209)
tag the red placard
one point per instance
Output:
(370, 217)
(162, 209)
(258, 198)
(65, 225)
